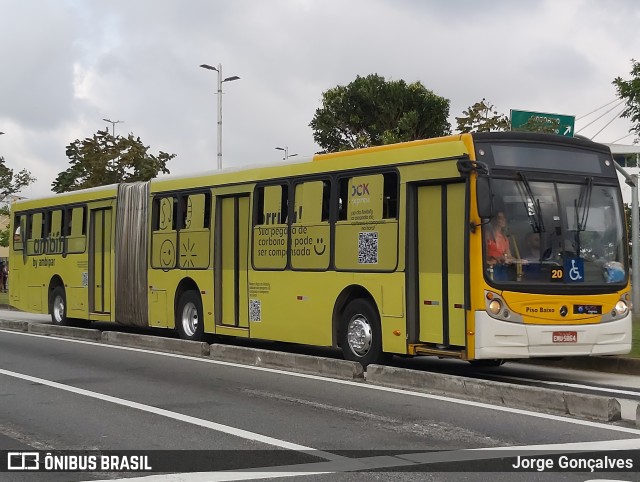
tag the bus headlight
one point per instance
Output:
(621, 307)
(495, 306)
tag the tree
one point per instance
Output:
(371, 111)
(104, 159)
(541, 124)
(482, 117)
(10, 184)
(629, 91)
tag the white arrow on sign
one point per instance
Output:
(567, 130)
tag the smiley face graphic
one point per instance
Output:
(319, 250)
(167, 254)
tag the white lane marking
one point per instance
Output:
(394, 461)
(238, 432)
(459, 401)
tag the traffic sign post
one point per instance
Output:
(562, 125)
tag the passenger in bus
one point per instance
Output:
(498, 247)
(531, 257)
(531, 251)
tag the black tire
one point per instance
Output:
(360, 333)
(58, 307)
(189, 318)
(486, 363)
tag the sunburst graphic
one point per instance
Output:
(187, 254)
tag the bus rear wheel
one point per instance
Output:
(189, 319)
(360, 334)
(59, 306)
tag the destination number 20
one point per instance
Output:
(557, 274)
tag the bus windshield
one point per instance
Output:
(555, 233)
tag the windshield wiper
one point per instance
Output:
(536, 216)
(582, 205)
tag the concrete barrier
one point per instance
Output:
(610, 364)
(172, 345)
(66, 331)
(14, 325)
(288, 361)
(517, 396)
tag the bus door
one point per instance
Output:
(100, 249)
(231, 295)
(440, 230)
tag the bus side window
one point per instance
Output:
(46, 224)
(36, 221)
(310, 206)
(66, 224)
(390, 196)
(194, 211)
(194, 237)
(34, 232)
(366, 232)
(75, 229)
(311, 234)
(343, 199)
(17, 235)
(270, 230)
(275, 204)
(55, 223)
(164, 214)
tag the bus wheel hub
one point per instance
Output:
(359, 335)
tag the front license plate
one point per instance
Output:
(565, 337)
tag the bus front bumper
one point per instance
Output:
(496, 339)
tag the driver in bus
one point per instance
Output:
(498, 247)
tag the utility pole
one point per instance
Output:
(113, 125)
(220, 82)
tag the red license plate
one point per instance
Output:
(565, 337)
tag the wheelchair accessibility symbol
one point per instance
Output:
(574, 270)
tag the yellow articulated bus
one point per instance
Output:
(484, 247)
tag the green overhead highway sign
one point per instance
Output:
(562, 125)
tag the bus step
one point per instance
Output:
(429, 350)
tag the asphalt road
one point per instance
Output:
(625, 388)
(60, 394)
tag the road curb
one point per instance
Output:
(66, 331)
(608, 364)
(16, 325)
(172, 345)
(288, 361)
(533, 398)
(556, 401)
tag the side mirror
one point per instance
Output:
(485, 197)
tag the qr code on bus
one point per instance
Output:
(255, 312)
(368, 248)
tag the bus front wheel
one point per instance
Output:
(189, 319)
(360, 334)
(59, 306)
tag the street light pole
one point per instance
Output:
(113, 125)
(220, 81)
(285, 149)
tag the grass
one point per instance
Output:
(4, 298)
(635, 344)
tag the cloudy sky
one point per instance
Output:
(67, 64)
